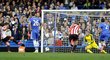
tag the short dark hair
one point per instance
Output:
(33, 13)
(102, 20)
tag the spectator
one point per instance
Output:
(74, 7)
(87, 4)
(62, 7)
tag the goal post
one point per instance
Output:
(42, 35)
(54, 19)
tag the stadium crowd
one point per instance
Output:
(38, 5)
(18, 12)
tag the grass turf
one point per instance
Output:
(52, 56)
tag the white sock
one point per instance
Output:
(36, 44)
(100, 45)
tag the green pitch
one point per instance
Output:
(52, 56)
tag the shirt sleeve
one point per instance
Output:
(100, 26)
(8, 33)
(40, 20)
(29, 20)
(92, 37)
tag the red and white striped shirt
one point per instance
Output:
(75, 29)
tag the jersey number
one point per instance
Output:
(36, 23)
(106, 27)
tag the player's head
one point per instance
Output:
(73, 24)
(5, 26)
(87, 32)
(102, 20)
(77, 23)
(33, 13)
(38, 14)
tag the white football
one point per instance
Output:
(47, 49)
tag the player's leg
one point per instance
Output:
(71, 42)
(88, 47)
(35, 41)
(8, 46)
(6, 41)
(101, 47)
(107, 39)
(94, 45)
(102, 43)
(75, 42)
(108, 42)
(14, 40)
(109, 36)
(72, 45)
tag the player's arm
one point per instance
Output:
(69, 29)
(79, 31)
(42, 24)
(29, 25)
(92, 38)
(1, 35)
(85, 41)
(8, 33)
(99, 29)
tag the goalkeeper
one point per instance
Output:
(89, 40)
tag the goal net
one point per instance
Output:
(54, 33)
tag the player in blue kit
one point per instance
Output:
(34, 25)
(104, 33)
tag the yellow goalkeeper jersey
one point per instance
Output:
(89, 38)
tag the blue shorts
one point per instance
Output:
(34, 35)
(104, 36)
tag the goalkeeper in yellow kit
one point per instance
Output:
(89, 40)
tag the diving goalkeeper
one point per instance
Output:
(89, 40)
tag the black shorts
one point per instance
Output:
(6, 39)
(73, 37)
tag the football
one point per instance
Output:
(47, 49)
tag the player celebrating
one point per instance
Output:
(73, 37)
(35, 29)
(104, 33)
(89, 40)
(6, 36)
